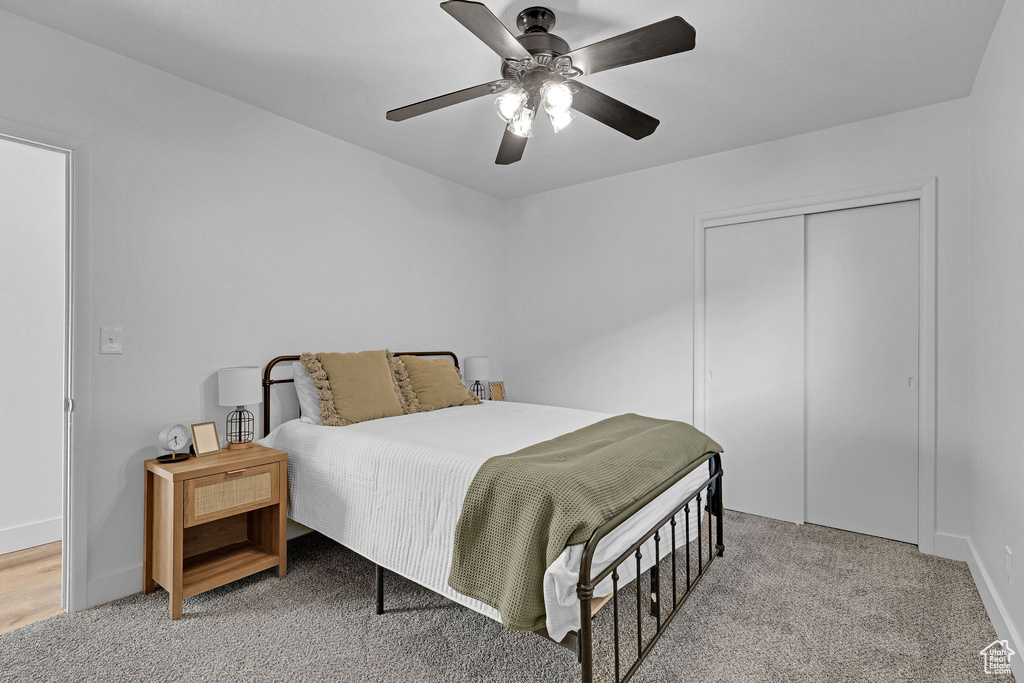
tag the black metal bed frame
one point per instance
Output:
(582, 641)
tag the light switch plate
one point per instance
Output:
(111, 340)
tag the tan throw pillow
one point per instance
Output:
(437, 382)
(406, 394)
(328, 415)
(362, 386)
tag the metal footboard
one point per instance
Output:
(710, 492)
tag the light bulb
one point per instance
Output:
(557, 97)
(560, 121)
(522, 123)
(509, 103)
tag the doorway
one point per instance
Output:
(35, 362)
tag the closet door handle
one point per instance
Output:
(911, 382)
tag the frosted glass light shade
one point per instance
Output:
(239, 386)
(509, 103)
(557, 97)
(560, 121)
(522, 123)
(478, 368)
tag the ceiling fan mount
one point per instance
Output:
(535, 19)
(538, 72)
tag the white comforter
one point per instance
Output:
(392, 490)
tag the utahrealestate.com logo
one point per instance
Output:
(997, 657)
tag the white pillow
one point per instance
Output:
(309, 399)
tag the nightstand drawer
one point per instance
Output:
(229, 493)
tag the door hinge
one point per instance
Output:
(69, 405)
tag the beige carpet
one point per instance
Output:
(786, 603)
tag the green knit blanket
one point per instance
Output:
(524, 508)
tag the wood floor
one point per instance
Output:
(29, 586)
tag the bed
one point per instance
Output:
(392, 489)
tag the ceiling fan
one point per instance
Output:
(539, 71)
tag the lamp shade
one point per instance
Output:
(239, 386)
(478, 368)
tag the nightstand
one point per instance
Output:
(214, 519)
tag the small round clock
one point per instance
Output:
(173, 438)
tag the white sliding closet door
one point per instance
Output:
(862, 369)
(754, 340)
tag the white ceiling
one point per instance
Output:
(762, 70)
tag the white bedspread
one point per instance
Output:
(392, 490)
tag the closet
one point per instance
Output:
(811, 349)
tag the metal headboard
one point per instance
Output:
(267, 382)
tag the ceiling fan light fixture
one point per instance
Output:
(556, 96)
(522, 123)
(560, 121)
(509, 103)
(538, 69)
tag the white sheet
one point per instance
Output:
(392, 490)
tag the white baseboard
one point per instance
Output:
(114, 586)
(953, 547)
(962, 548)
(30, 535)
(996, 608)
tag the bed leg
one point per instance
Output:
(585, 638)
(380, 589)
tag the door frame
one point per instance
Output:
(74, 536)
(922, 190)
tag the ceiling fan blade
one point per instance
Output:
(611, 112)
(485, 26)
(511, 149)
(434, 103)
(650, 42)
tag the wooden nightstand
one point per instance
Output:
(214, 519)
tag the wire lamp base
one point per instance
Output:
(479, 390)
(241, 426)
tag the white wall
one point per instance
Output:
(997, 318)
(217, 235)
(600, 275)
(32, 281)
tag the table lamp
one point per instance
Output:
(239, 387)
(478, 368)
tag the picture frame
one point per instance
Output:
(205, 440)
(497, 390)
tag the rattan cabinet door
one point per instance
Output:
(230, 493)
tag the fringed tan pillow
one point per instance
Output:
(354, 387)
(328, 413)
(410, 402)
(437, 383)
